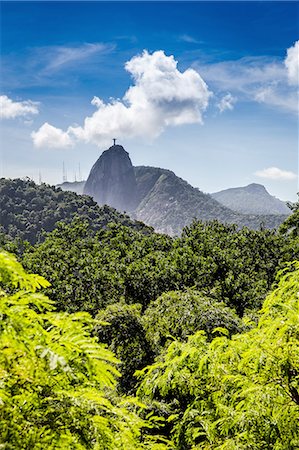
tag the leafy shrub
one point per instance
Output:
(57, 381)
(239, 393)
(125, 336)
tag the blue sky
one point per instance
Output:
(224, 115)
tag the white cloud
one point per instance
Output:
(52, 137)
(10, 109)
(227, 102)
(161, 96)
(274, 173)
(281, 98)
(292, 64)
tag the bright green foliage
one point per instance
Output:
(125, 336)
(57, 382)
(13, 276)
(240, 393)
(177, 315)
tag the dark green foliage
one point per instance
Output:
(81, 271)
(234, 266)
(126, 338)
(177, 315)
(291, 224)
(26, 210)
(233, 392)
(88, 272)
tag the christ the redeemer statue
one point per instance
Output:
(114, 140)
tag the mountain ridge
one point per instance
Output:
(161, 199)
(172, 203)
(251, 199)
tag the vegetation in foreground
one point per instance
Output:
(208, 320)
(57, 381)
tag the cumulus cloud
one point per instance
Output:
(51, 137)
(274, 173)
(227, 102)
(160, 96)
(292, 64)
(10, 109)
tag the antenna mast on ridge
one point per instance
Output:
(64, 175)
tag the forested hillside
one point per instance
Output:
(150, 341)
(27, 209)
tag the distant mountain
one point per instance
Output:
(112, 180)
(168, 203)
(159, 198)
(72, 186)
(27, 209)
(251, 199)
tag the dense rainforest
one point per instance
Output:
(28, 210)
(116, 337)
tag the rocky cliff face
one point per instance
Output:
(112, 180)
(161, 199)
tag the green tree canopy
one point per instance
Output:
(87, 272)
(178, 314)
(27, 210)
(239, 393)
(291, 224)
(124, 333)
(57, 382)
(235, 266)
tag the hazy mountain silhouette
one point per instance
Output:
(73, 186)
(251, 199)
